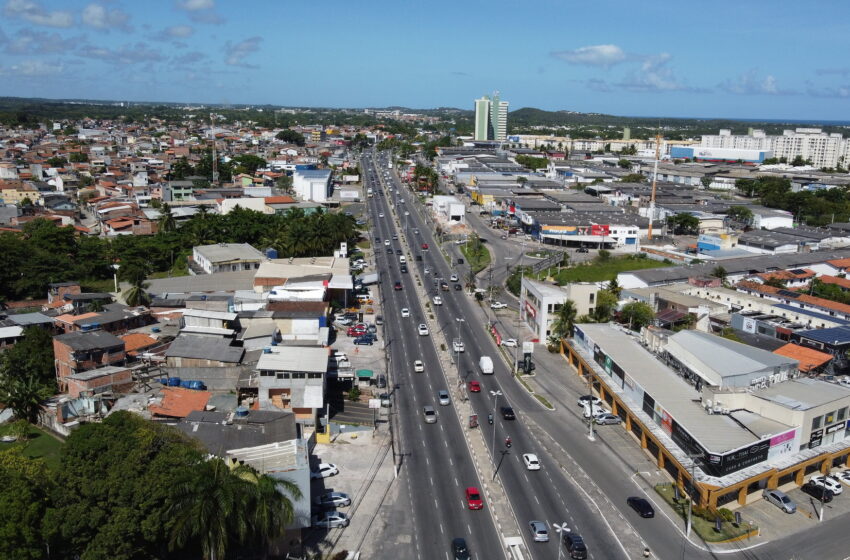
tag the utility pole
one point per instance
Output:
(214, 158)
(496, 395)
(654, 181)
(519, 311)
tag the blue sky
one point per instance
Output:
(743, 59)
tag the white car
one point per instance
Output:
(829, 482)
(497, 305)
(443, 397)
(386, 242)
(406, 213)
(405, 312)
(438, 300)
(330, 520)
(454, 278)
(427, 270)
(509, 342)
(844, 476)
(418, 366)
(324, 470)
(457, 346)
(531, 461)
(381, 215)
(423, 329)
(592, 411)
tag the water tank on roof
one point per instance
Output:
(156, 329)
(267, 350)
(271, 253)
(241, 412)
(173, 382)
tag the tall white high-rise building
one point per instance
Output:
(822, 149)
(491, 118)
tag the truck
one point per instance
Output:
(485, 363)
(372, 278)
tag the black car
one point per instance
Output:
(389, 250)
(377, 239)
(508, 413)
(575, 546)
(364, 340)
(398, 252)
(459, 549)
(458, 287)
(818, 492)
(403, 268)
(641, 506)
(582, 250)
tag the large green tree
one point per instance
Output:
(27, 375)
(683, 224)
(637, 314)
(291, 136)
(25, 488)
(565, 319)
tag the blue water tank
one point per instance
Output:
(173, 381)
(196, 385)
(271, 253)
(241, 412)
(156, 329)
(267, 350)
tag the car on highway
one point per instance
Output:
(508, 413)
(330, 520)
(324, 470)
(539, 531)
(453, 278)
(473, 498)
(423, 329)
(418, 366)
(395, 237)
(531, 461)
(424, 246)
(386, 242)
(641, 506)
(381, 215)
(575, 546)
(830, 482)
(389, 250)
(438, 300)
(582, 400)
(458, 287)
(427, 270)
(497, 305)
(364, 341)
(444, 286)
(474, 387)
(403, 268)
(607, 419)
(405, 312)
(457, 346)
(818, 492)
(332, 499)
(459, 549)
(430, 414)
(406, 213)
(397, 286)
(399, 252)
(443, 397)
(416, 232)
(509, 342)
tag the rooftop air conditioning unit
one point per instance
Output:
(725, 411)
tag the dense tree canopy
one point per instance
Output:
(291, 136)
(45, 253)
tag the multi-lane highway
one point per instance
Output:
(545, 495)
(436, 464)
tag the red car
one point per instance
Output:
(397, 286)
(425, 246)
(474, 387)
(356, 331)
(473, 498)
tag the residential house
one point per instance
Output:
(293, 378)
(82, 351)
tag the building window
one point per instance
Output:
(299, 375)
(590, 298)
(841, 414)
(816, 422)
(829, 418)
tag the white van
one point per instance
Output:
(402, 260)
(486, 365)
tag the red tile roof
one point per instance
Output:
(137, 341)
(842, 283)
(279, 200)
(809, 358)
(178, 402)
(811, 300)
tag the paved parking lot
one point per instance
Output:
(366, 475)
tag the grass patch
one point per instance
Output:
(477, 260)
(598, 271)
(40, 445)
(365, 244)
(543, 401)
(703, 527)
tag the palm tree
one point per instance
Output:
(24, 396)
(272, 509)
(137, 294)
(565, 319)
(166, 221)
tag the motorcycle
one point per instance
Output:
(489, 418)
(508, 442)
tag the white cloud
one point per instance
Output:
(750, 83)
(195, 5)
(30, 68)
(31, 41)
(99, 17)
(594, 55)
(656, 76)
(841, 92)
(236, 53)
(201, 11)
(179, 31)
(33, 12)
(128, 54)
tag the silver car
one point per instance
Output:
(330, 520)
(780, 499)
(444, 397)
(430, 415)
(333, 499)
(607, 418)
(539, 531)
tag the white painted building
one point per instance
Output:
(449, 209)
(540, 302)
(312, 184)
(824, 150)
(293, 378)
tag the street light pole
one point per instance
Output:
(561, 529)
(496, 395)
(590, 435)
(519, 311)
